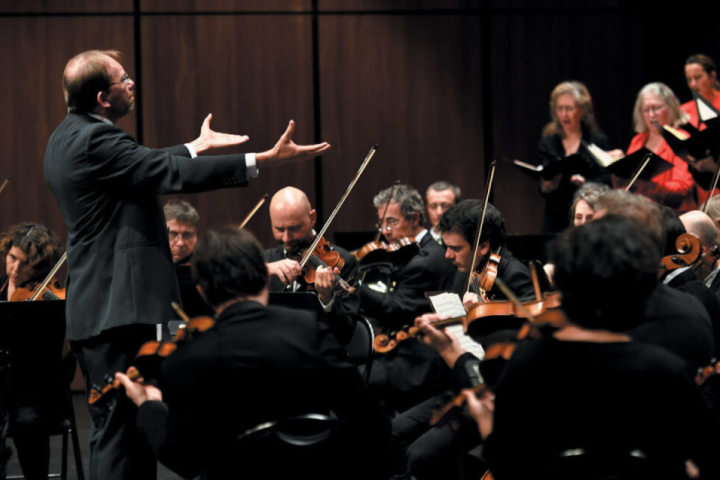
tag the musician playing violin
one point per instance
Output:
(412, 372)
(258, 363)
(459, 227)
(30, 251)
(557, 410)
(402, 215)
(293, 221)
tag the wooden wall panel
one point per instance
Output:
(396, 5)
(410, 84)
(35, 50)
(65, 6)
(223, 5)
(253, 73)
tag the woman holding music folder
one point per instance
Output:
(566, 161)
(671, 183)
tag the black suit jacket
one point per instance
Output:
(259, 364)
(120, 269)
(427, 271)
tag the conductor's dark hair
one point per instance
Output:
(605, 270)
(85, 75)
(464, 217)
(228, 264)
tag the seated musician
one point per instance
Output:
(439, 197)
(30, 251)
(412, 372)
(674, 319)
(402, 215)
(257, 364)
(557, 410)
(182, 223)
(293, 221)
(459, 228)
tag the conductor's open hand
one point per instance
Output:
(285, 149)
(210, 139)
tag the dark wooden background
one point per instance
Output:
(442, 86)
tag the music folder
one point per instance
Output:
(627, 166)
(700, 144)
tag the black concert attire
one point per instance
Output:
(412, 372)
(678, 322)
(687, 282)
(261, 364)
(552, 153)
(192, 302)
(121, 278)
(600, 401)
(440, 451)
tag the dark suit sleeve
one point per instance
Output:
(120, 163)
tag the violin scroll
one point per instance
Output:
(688, 252)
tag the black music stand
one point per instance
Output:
(294, 300)
(31, 342)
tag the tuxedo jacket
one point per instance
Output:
(427, 271)
(260, 364)
(120, 270)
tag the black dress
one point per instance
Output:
(552, 153)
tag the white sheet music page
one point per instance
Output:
(450, 305)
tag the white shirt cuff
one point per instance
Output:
(251, 165)
(192, 151)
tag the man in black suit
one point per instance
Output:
(401, 214)
(458, 227)
(411, 372)
(121, 278)
(257, 364)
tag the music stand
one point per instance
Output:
(294, 300)
(31, 342)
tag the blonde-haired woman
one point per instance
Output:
(572, 126)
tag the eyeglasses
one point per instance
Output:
(125, 79)
(186, 236)
(652, 109)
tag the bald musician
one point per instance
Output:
(293, 220)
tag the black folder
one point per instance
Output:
(627, 166)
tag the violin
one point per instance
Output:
(396, 253)
(324, 256)
(51, 291)
(481, 283)
(149, 357)
(48, 289)
(688, 249)
(543, 311)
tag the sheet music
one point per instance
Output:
(450, 304)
